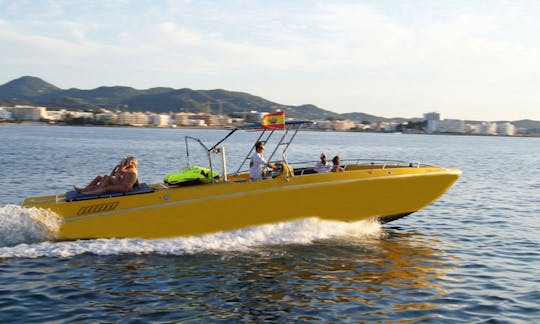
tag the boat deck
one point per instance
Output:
(305, 169)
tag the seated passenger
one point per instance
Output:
(337, 164)
(323, 166)
(124, 183)
(94, 184)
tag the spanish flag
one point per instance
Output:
(274, 121)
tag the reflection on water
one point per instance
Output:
(395, 276)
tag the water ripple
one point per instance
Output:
(470, 257)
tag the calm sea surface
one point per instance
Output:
(472, 256)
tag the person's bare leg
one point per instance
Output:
(91, 186)
(108, 188)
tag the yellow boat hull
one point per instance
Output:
(172, 211)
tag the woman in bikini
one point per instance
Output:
(124, 183)
(94, 184)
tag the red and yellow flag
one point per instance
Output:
(274, 121)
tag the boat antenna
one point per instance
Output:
(223, 139)
(187, 152)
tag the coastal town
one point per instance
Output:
(430, 123)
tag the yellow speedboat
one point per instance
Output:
(382, 190)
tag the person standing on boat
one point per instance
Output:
(323, 166)
(258, 163)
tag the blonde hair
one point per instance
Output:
(134, 159)
(123, 161)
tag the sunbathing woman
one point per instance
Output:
(124, 183)
(94, 184)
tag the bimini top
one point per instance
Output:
(288, 124)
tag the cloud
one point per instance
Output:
(167, 27)
(340, 46)
(325, 36)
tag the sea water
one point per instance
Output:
(472, 256)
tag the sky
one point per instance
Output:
(474, 60)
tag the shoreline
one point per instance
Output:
(29, 123)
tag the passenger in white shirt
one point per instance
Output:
(258, 163)
(323, 166)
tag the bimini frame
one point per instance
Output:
(288, 134)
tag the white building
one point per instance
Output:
(209, 119)
(181, 119)
(506, 129)
(56, 115)
(432, 119)
(432, 116)
(26, 113)
(254, 116)
(161, 120)
(486, 128)
(323, 124)
(451, 126)
(432, 126)
(106, 116)
(363, 126)
(436, 125)
(5, 114)
(343, 125)
(390, 127)
(196, 122)
(133, 118)
(191, 119)
(223, 120)
(82, 114)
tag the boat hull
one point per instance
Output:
(172, 211)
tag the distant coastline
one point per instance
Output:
(32, 99)
(46, 124)
(31, 90)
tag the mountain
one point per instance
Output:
(366, 117)
(532, 126)
(27, 88)
(33, 90)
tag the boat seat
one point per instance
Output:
(137, 189)
(304, 171)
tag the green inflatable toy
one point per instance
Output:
(195, 174)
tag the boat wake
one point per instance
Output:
(303, 231)
(27, 225)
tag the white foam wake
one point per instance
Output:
(303, 231)
(27, 225)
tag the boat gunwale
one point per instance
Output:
(375, 164)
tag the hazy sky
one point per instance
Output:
(464, 59)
